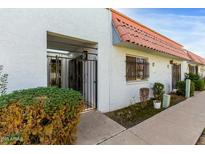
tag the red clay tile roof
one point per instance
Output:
(133, 32)
(196, 58)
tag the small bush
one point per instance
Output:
(40, 116)
(158, 90)
(192, 89)
(181, 85)
(181, 88)
(192, 76)
(199, 85)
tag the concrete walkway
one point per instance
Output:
(180, 124)
(95, 128)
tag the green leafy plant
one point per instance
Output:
(199, 85)
(181, 88)
(192, 89)
(40, 116)
(197, 81)
(192, 76)
(3, 81)
(158, 91)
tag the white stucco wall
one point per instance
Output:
(123, 93)
(23, 53)
(201, 70)
(184, 69)
(23, 43)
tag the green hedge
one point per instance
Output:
(181, 85)
(181, 88)
(40, 116)
(192, 89)
(199, 84)
(192, 76)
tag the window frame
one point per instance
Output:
(137, 79)
(193, 69)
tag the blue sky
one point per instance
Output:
(185, 26)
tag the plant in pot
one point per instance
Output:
(158, 91)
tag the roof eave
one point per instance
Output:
(147, 50)
(114, 11)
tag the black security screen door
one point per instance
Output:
(74, 70)
(76, 75)
(55, 72)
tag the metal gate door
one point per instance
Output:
(78, 73)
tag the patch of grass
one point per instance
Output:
(134, 114)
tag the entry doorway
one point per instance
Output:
(73, 64)
(76, 75)
(176, 74)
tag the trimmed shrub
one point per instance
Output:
(192, 76)
(192, 89)
(181, 88)
(181, 85)
(40, 116)
(199, 85)
(158, 91)
(195, 78)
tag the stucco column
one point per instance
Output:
(184, 69)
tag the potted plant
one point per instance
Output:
(158, 91)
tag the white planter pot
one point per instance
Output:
(157, 104)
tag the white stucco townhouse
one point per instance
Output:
(103, 54)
